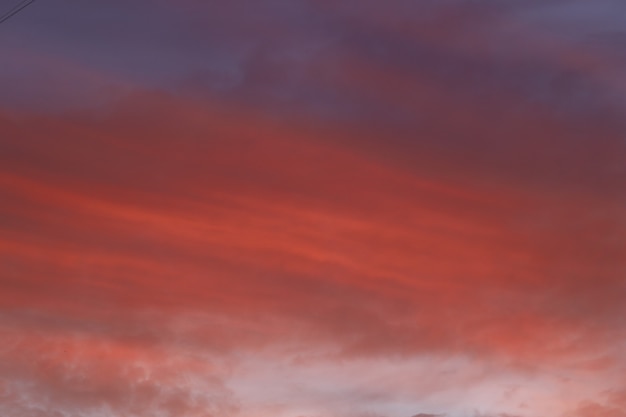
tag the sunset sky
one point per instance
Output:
(313, 208)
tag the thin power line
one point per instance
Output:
(11, 12)
(15, 10)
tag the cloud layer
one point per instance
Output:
(313, 209)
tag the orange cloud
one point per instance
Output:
(269, 219)
(380, 209)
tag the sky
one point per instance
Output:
(313, 208)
